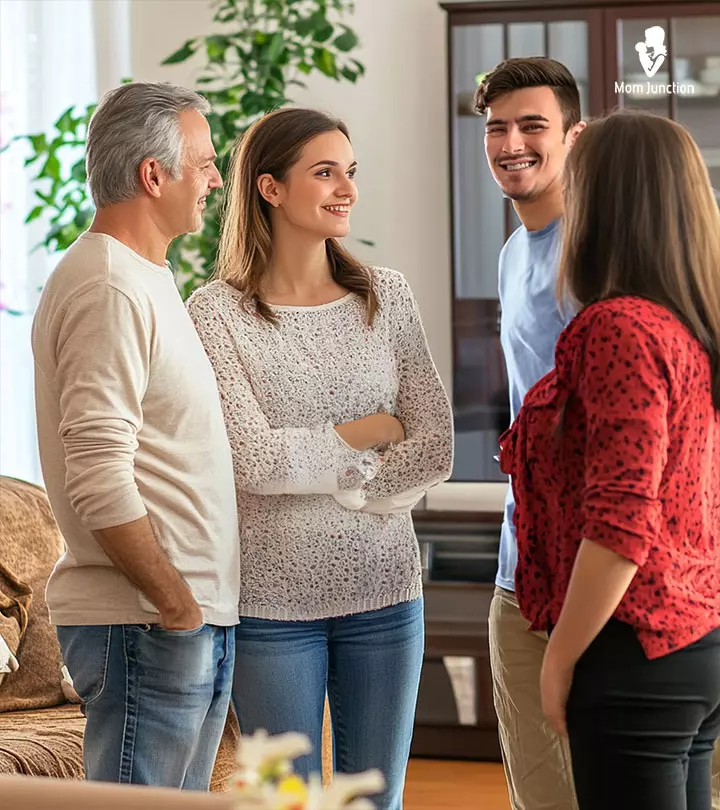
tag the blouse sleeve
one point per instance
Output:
(425, 457)
(624, 387)
(268, 460)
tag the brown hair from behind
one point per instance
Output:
(641, 219)
(272, 145)
(532, 71)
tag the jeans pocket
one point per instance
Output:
(86, 651)
(156, 629)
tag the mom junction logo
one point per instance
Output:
(652, 56)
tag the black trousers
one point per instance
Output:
(642, 731)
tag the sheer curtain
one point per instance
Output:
(54, 54)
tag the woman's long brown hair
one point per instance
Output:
(272, 145)
(641, 219)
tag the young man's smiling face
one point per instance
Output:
(526, 143)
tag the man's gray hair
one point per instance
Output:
(132, 123)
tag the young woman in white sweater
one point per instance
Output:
(338, 424)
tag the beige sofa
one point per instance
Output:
(41, 732)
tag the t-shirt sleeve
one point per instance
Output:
(624, 387)
(103, 361)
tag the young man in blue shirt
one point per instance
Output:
(533, 118)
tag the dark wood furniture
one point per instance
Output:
(597, 40)
(455, 716)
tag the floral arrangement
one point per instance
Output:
(265, 780)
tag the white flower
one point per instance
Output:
(260, 750)
(264, 779)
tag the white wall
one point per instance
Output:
(397, 116)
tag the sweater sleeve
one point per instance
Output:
(624, 389)
(103, 359)
(425, 458)
(271, 460)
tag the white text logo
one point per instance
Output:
(653, 51)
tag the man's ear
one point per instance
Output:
(574, 132)
(152, 177)
(269, 189)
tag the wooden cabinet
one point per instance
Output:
(599, 42)
(455, 717)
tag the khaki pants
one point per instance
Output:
(536, 760)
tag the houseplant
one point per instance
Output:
(264, 779)
(260, 51)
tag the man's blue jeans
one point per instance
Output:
(155, 700)
(370, 664)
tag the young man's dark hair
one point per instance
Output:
(531, 71)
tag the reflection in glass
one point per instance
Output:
(696, 56)
(480, 228)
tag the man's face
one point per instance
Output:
(525, 143)
(184, 199)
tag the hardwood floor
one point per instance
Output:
(447, 785)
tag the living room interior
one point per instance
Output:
(402, 79)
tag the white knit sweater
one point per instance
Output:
(326, 530)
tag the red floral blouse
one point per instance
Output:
(620, 444)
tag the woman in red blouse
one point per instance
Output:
(615, 465)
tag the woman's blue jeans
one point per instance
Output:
(369, 663)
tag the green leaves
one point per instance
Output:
(216, 48)
(187, 50)
(324, 61)
(59, 184)
(35, 213)
(277, 45)
(346, 41)
(258, 51)
(78, 171)
(51, 167)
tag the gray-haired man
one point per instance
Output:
(135, 456)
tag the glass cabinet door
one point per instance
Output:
(670, 65)
(696, 50)
(482, 221)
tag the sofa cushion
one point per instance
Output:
(31, 545)
(47, 742)
(15, 598)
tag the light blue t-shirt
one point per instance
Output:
(530, 325)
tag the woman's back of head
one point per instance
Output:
(641, 219)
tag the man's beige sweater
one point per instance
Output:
(129, 424)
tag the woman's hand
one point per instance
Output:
(598, 583)
(375, 430)
(556, 679)
(391, 429)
